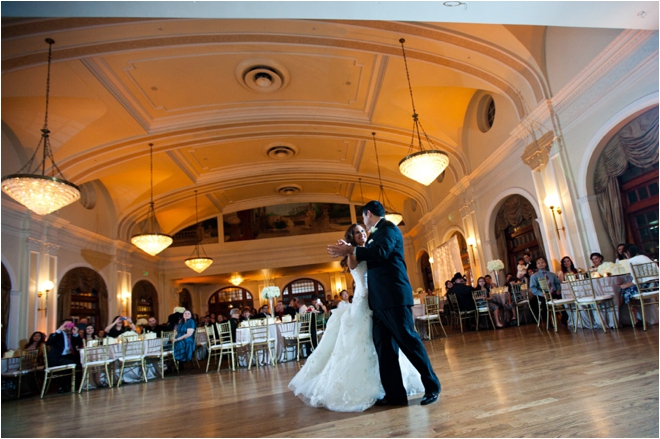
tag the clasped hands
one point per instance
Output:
(342, 248)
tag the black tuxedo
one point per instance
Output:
(390, 298)
(464, 298)
(56, 348)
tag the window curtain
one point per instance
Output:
(84, 279)
(447, 261)
(637, 144)
(514, 211)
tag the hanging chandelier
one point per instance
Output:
(390, 214)
(196, 262)
(151, 241)
(236, 279)
(425, 165)
(40, 193)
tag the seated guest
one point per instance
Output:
(117, 327)
(448, 286)
(82, 324)
(344, 299)
(220, 318)
(263, 313)
(633, 255)
(554, 286)
(463, 293)
(567, 267)
(318, 306)
(303, 307)
(482, 284)
(153, 326)
(36, 340)
(234, 316)
(63, 347)
(214, 318)
(185, 343)
(620, 253)
(209, 322)
(430, 292)
(89, 333)
(101, 334)
(279, 309)
(292, 308)
(489, 282)
(174, 318)
(596, 259)
(246, 314)
(528, 262)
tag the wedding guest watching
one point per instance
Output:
(89, 333)
(118, 327)
(567, 267)
(554, 285)
(246, 314)
(633, 256)
(36, 340)
(620, 253)
(153, 326)
(234, 316)
(489, 282)
(482, 284)
(318, 306)
(263, 313)
(521, 268)
(184, 343)
(174, 318)
(528, 262)
(596, 259)
(279, 309)
(292, 308)
(221, 318)
(463, 293)
(344, 299)
(101, 334)
(448, 286)
(82, 324)
(63, 347)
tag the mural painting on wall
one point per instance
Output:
(286, 220)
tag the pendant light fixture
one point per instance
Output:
(425, 165)
(196, 262)
(40, 193)
(236, 279)
(151, 241)
(390, 214)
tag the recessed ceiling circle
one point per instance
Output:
(289, 189)
(281, 151)
(262, 75)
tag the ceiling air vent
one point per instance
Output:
(281, 152)
(289, 189)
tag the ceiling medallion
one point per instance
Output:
(281, 152)
(262, 75)
(289, 189)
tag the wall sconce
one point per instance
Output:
(471, 241)
(44, 288)
(553, 203)
(430, 259)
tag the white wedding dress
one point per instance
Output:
(342, 372)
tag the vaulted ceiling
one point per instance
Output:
(196, 89)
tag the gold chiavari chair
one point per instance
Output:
(432, 315)
(95, 358)
(132, 352)
(646, 278)
(566, 303)
(227, 345)
(260, 340)
(302, 335)
(482, 309)
(460, 314)
(18, 367)
(56, 372)
(520, 302)
(586, 300)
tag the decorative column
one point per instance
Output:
(469, 219)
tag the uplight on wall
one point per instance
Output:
(552, 201)
(471, 241)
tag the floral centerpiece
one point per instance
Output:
(270, 292)
(495, 265)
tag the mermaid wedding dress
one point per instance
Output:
(342, 372)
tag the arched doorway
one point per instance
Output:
(82, 293)
(465, 256)
(303, 289)
(427, 271)
(6, 297)
(145, 300)
(185, 299)
(517, 232)
(225, 299)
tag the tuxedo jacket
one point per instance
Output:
(387, 276)
(56, 347)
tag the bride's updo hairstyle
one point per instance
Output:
(350, 238)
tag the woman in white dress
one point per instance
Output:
(342, 373)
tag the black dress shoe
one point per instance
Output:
(429, 398)
(385, 401)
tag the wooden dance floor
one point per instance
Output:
(516, 382)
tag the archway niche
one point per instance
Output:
(185, 299)
(228, 298)
(145, 300)
(82, 293)
(517, 232)
(6, 298)
(304, 290)
(426, 270)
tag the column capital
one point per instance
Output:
(537, 153)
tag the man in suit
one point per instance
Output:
(390, 298)
(63, 346)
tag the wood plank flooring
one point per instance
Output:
(516, 382)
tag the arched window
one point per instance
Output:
(427, 272)
(185, 299)
(465, 256)
(303, 289)
(145, 300)
(225, 299)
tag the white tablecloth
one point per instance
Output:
(277, 331)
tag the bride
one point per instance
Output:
(342, 373)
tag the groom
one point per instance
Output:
(390, 298)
